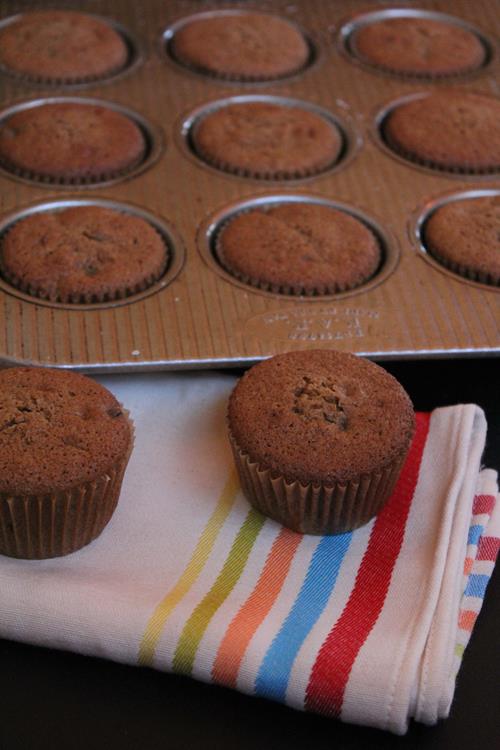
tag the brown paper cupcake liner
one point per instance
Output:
(74, 181)
(36, 527)
(484, 277)
(241, 77)
(63, 80)
(263, 174)
(470, 169)
(289, 290)
(318, 509)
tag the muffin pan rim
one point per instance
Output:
(166, 229)
(165, 50)
(211, 225)
(153, 134)
(359, 19)
(135, 58)
(416, 230)
(352, 139)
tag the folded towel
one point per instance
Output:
(368, 626)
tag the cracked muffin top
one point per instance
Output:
(320, 416)
(82, 254)
(242, 46)
(58, 429)
(70, 141)
(61, 45)
(299, 248)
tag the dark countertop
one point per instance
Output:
(55, 700)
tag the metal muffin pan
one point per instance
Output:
(152, 134)
(168, 233)
(346, 41)
(200, 318)
(209, 231)
(166, 49)
(134, 58)
(351, 138)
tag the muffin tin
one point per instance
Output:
(198, 315)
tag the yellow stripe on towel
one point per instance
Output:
(191, 572)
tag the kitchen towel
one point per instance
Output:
(369, 626)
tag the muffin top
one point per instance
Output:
(58, 429)
(467, 233)
(243, 46)
(267, 140)
(419, 46)
(320, 416)
(61, 45)
(84, 253)
(450, 129)
(70, 140)
(299, 247)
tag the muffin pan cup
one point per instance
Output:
(167, 49)
(174, 251)
(350, 139)
(152, 134)
(208, 246)
(134, 58)
(346, 43)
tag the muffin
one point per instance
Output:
(82, 254)
(267, 141)
(241, 46)
(319, 438)
(464, 235)
(299, 248)
(418, 47)
(451, 130)
(70, 142)
(61, 46)
(64, 445)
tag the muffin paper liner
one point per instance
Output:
(424, 162)
(36, 527)
(315, 508)
(263, 174)
(484, 277)
(96, 179)
(63, 80)
(290, 290)
(237, 77)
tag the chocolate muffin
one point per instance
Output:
(82, 254)
(70, 142)
(450, 130)
(464, 235)
(418, 47)
(242, 46)
(299, 248)
(319, 438)
(64, 446)
(61, 46)
(267, 141)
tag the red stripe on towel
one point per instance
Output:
(330, 673)
(488, 548)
